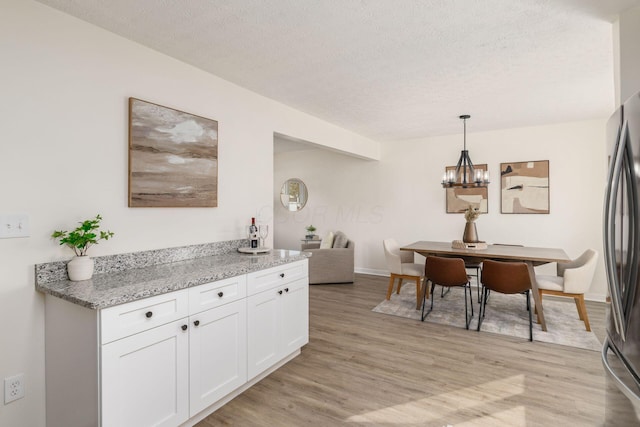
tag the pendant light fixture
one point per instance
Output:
(465, 174)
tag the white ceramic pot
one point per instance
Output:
(80, 268)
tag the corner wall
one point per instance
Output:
(63, 155)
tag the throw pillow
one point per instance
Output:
(327, 241)
(340, 240)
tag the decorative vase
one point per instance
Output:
(80, 268)
(470, 233)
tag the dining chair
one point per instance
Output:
(505, 278)
(572, 281)
(401, 267)
(480, 292)
(446, 272)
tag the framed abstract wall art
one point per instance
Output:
(173, 157)
(458, 199)
(524, 187)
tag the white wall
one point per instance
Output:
(400, 196)
(63, 158)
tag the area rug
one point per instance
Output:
(506, 315)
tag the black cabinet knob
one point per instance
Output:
(184, 327)
(286, 289)
(280, 292)
(281, 274)
(197, 322)
(220, 294)
(149, 314)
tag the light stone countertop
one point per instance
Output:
(109, 289)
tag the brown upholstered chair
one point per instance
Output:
(506, 278)
(446, 272)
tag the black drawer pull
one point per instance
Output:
(280, 292)
(220, 294)
(281, 274)
(197, 322)
(286, 289)
(184, 327)
(149, 314)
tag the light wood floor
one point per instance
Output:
(366, 368)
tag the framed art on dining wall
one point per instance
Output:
(524, 187)
(458, 199)
(173, 157)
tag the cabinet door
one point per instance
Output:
(145, 378)
(263, 330)
(218, 353)
(295, 316)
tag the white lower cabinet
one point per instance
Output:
(217, 353)
(145, 378)
(278, 324)
(168, 359)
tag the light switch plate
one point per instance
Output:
(14, 225)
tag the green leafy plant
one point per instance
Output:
(84, 236)
(310, 229)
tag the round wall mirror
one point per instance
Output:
(293, 194)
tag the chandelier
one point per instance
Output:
(465, 174)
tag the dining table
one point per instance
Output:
(532, 256)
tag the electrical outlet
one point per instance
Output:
(13, 388)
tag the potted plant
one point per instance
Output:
(80, 240)
(310, 231)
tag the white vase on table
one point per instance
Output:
(80, 268)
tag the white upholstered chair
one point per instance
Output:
(401, 266)
(573, 280)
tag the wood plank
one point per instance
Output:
(362, 367)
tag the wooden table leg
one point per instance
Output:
(536, 295)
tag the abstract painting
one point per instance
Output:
(459, 199)
(173, 157)
(524, 187)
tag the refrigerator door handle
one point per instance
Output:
(633, 397)
(609, 233)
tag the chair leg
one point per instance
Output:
(392, 280)
(530, 321)
(424, 298)
(483, 307)
(585, 316)
(467, 318)
(400, 280)
(576, 299)
(418, 293)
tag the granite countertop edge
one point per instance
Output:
(111, 289)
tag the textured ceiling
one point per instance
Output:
(391, 69)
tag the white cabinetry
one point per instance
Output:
(278, 315)
(218, 353)
(145, 378)
(171, 359)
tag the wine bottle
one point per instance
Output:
(254, 242)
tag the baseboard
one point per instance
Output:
(371, 271)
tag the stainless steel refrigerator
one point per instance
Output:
(621, 350)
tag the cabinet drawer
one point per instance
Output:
(215, 294)
(262, 280)
(128, 319)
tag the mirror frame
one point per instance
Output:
(294, 194)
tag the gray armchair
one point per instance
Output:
(334, 265)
